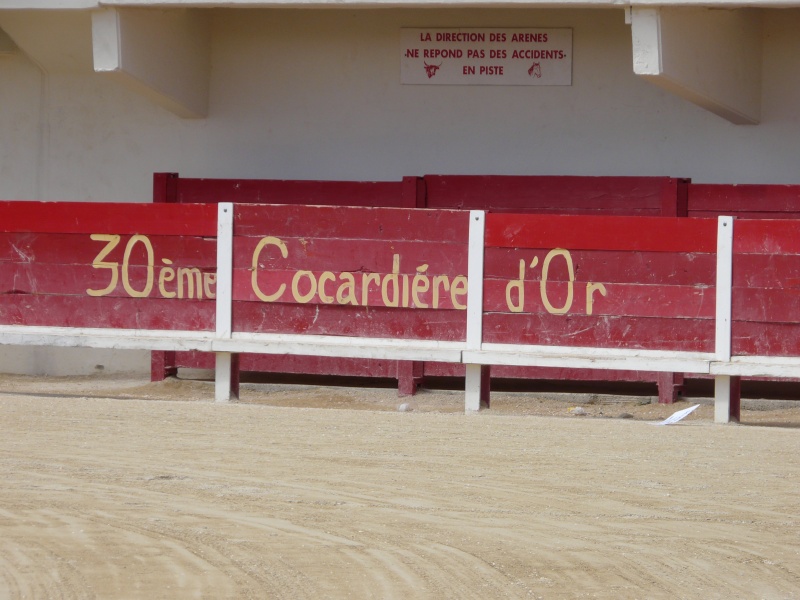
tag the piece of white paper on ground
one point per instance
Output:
(675, 417)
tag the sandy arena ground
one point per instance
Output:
(112, 488)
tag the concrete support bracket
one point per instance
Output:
(161, 54)
(709, 57)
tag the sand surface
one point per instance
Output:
(114, 488)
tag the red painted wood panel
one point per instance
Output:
(400, 323)
(435, 295)
(106, 312)
(275, 191)
(274, 363)
(766, 236)
(351, 223)
(609, 267)
(114, 218)
(765, 339)
(780, 201)
(75, 280)
(691, 335)
(557, 194)
(642, 234)
(685, 302)
(766, 271)
(80, 249)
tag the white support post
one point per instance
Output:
(722, 398)
(223, 388)
(722, 346)
(476, 390)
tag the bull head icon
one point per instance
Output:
(430, 70)
(535, 70)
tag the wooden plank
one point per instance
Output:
(766, 305)
(773, 271)
(55, 248)
(405, 290)
(767, 237)
(750, 198)
(106, 312)
(690, 335)
(351, 223)
(75, 280)
(275, 191)
(322, 365)
(765, 339)
(353, 255)
(110, 218)
(695, 302)
(610, 266)
(612, 195)
(633, 234)
(349, 321)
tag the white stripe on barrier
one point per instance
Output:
(590, 358)
(345, 347)
(115, 339)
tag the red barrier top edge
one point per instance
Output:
(109, 217)
(578, 232)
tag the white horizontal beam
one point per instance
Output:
(346, 347)
(115, 339)
(164, 55)
(590, 358)
(759, 366)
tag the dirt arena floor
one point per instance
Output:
(115, 488)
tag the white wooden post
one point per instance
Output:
(223, 391)
(474, 387)
(722, 346)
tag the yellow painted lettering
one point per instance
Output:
(267, 241)
(543, 283)
(99, 263)
(591, 288)
(148, 286)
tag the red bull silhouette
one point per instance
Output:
(430, 70)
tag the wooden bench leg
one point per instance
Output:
(477, 388)
(727, 399)
(162, 365)
(226, 377)
(409, 376)
(670, 386)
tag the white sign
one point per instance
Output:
(486, 56)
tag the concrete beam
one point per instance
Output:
(7, 45)
(709, 57)
(56, 40)
(164, 55)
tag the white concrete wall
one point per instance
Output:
(316, 95)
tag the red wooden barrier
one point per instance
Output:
(121, 266)
(640, 196)
(539, 194)
(409, 193)
(610, 282)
